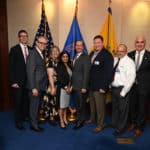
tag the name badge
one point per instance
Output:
(96, 62)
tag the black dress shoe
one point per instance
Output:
(117, 133)
(78, 126)
(36, 129)
(19, 126)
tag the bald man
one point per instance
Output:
(141, 88)
(37, 80)
(124, 77)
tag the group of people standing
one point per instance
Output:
(54, 78)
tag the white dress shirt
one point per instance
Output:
(125, 74)
(141, 57)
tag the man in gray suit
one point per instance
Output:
(37, 80)
(80, 81)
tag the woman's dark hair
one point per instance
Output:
(69, 60)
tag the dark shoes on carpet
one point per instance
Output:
(20, 126)
(78, 125)
(117, 133)
(98, 129)
(138, 133)
(36, 129)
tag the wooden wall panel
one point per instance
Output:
(5, 102)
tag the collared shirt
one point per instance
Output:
(125, 74)
(94, 55)
(76, 57)
(23, 50)
(39, 52)
(141, 56)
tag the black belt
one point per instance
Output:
(118, 87)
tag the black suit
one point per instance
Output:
(140, 90)
(100, 78)
(37, 79)
(80, 79)
(101, 70)
(18, 75)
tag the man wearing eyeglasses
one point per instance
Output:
(141, 87)
(36, 80)
(17, 64)
(123, 78)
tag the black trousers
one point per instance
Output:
(120, 109)
(138, 105)
(80, 103)
(21, 104)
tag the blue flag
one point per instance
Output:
(73, 36)
(44, 30)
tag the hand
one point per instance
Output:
(15, 85)
(101, 91)
(53, 91)
(83, 91)
(69, 90)
(35, 92)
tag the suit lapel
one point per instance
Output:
(21, 53)
(144, 60)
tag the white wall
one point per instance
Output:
(131, 17)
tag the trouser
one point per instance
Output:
(138, 105)
(120, 109)
(34, 106)
(97, 107)
(80, 103)
(21, 104)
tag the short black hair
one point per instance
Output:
(98, 37)
(22, 31)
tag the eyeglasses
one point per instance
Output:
(23, 35)
(42, 43)
(137, 42)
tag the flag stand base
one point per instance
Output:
(72, 116)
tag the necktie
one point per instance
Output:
(76, 57)
(138, 61)
(115, 67)
(25, 52)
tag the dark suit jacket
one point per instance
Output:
(80, 74)
(17, 66)
(101, 70)
(143, 73)
(63, 78)
(36, 71)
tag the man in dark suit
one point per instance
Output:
(17, 61)
(141, 88)
(100, 78)
(80, 81)
(36, 80)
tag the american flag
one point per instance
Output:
(44, 30)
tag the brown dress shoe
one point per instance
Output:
(88, 121)
(131, 127)
(137, 133)
(97, 129)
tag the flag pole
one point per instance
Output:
(72, 116)
(108, 38)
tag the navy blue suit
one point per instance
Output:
(101, 70)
